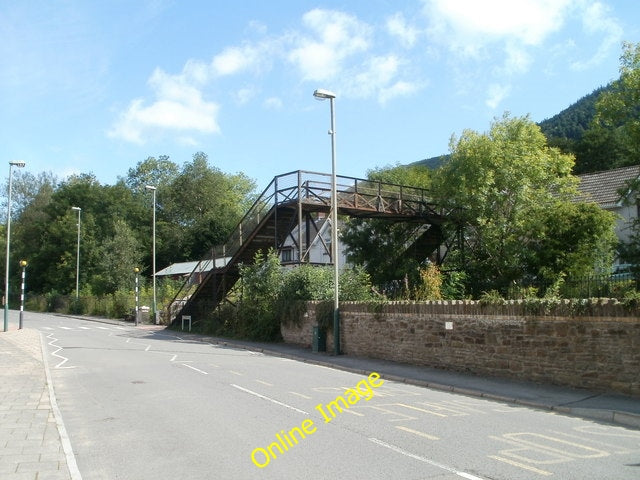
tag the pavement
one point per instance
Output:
(34, 444)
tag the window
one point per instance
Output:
(287, 255)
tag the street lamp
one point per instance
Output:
(23, 264)
(79, 210)
(155, 313)
(6, 273)
(323, 95)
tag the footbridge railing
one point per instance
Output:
(311, 191)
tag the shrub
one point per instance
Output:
(355, 285)
(430, 285)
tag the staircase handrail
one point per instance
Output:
(313, 187)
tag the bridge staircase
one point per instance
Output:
(289, 201)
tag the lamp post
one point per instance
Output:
(79, 210)
(6, 273)
(137, 271)
(155, 313)
(323, 95)
(23, 264)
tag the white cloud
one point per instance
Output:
(273, 103)
(399, 89)
(178, 106)
(334, 37)
(496, 94)
(244, 95)
(378, 77)
(517, 60)
(234, 59)
(329, 46)
(596, 19)
(469, 24)
(397, 27)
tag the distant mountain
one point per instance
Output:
(572, 122)
(433, 162)
(570, 131)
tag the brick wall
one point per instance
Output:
(598, 351)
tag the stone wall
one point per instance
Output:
(599, 352)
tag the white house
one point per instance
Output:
(318, 251)
(604, 188)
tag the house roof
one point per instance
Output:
(602, 187)
(185, 268)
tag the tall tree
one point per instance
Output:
(619, 107)
(151, 171)
(119, 254)
(201, 207)
(508, 186)
(380, 245)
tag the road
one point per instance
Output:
(149, 404)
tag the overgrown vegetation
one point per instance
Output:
(119, 304)
(268, 294)
(197, 206)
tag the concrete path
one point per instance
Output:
(33, 442)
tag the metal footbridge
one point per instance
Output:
(291, 201)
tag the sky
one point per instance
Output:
(99, 86)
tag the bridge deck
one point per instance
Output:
(285, 204)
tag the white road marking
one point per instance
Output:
(55, 353)
(194, 368)
(272, 400)
(301, 395)
(425, 460)
(85, 328)
(47, 328)
(62, 431)
(65, 328)
(103, 328)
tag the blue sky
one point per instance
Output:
(97, 86)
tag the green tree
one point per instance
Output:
(118, 255)
(408, 175)
(151, 171)
(32, 195)
(508, 185)
(200, 208)
(620, 110)
(619, 107)
(260, 284)
(380, 246)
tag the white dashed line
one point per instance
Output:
(268, 399)
(399, 450)
(194, 368)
